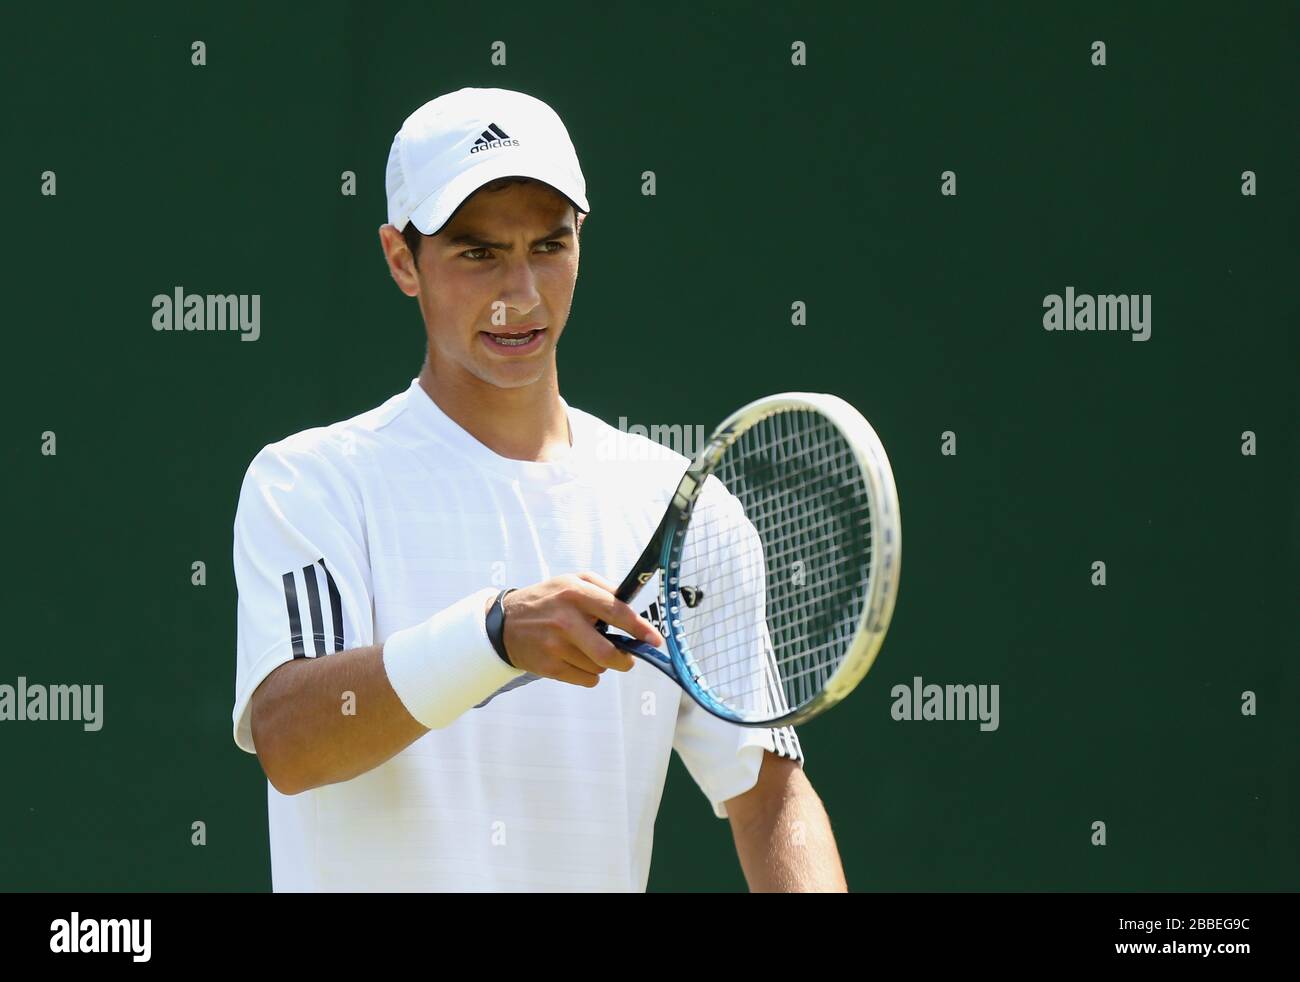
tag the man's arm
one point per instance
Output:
(782, 833)
(303, 737)
(317, 721)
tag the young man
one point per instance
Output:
(418, 729)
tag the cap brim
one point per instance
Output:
(433, 213)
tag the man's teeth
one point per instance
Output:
(510, 340)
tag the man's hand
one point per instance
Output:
(551, 629)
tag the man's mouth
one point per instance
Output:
(507, 339)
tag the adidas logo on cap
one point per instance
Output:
(494, 136)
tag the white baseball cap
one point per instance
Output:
(450, 147)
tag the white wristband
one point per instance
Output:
(446, 665)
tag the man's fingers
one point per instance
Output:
(601, 604)
(596, 648)
(573, 656)
(626, 619)
(577, 668)
(601, 582)
(575, 676)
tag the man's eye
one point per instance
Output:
(470, 253)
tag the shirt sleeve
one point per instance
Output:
(301, 568)
(724, 758)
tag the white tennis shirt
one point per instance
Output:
(348, 533)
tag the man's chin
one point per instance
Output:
(514, 376)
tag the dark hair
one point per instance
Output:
(413, 236)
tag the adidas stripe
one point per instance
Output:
(312, 582)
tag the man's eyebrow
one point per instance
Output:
(476, 241)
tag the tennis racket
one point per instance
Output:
(778, 562)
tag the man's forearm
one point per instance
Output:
(322, 720)
(789, 847)
(317, 721)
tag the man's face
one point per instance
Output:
(506, 264)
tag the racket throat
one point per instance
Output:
(643, 570)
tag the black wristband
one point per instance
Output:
(496, 627)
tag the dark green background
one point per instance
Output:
(775, 184)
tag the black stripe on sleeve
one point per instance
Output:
(313, 601)
(336, 605)
(295, 622)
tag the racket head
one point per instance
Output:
(754, 637)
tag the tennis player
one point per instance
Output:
(420, 727)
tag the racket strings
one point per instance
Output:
(799, 638)
(783, 585)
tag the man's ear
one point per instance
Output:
(401, 264)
